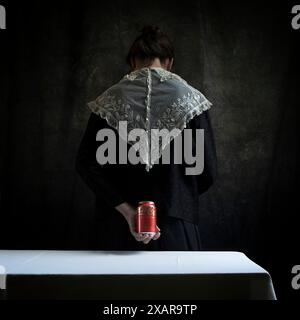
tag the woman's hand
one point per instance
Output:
(129, 212)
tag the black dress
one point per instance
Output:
(176, 195)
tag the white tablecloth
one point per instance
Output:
(197, 275)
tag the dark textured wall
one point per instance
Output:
(242, 56)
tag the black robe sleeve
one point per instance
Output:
(206, 179)
(104, 185)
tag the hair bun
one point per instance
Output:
(151, 30)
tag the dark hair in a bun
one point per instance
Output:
(151, 43)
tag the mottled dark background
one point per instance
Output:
(241, 55)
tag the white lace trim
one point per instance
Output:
(163, 73)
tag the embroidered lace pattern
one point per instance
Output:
(177, 112)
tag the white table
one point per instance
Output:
(196, 275)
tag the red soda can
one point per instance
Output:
(145, 218)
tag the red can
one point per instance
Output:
(145, 219)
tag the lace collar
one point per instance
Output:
(163, 73)
(150, 98)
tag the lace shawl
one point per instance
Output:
(150, 98)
